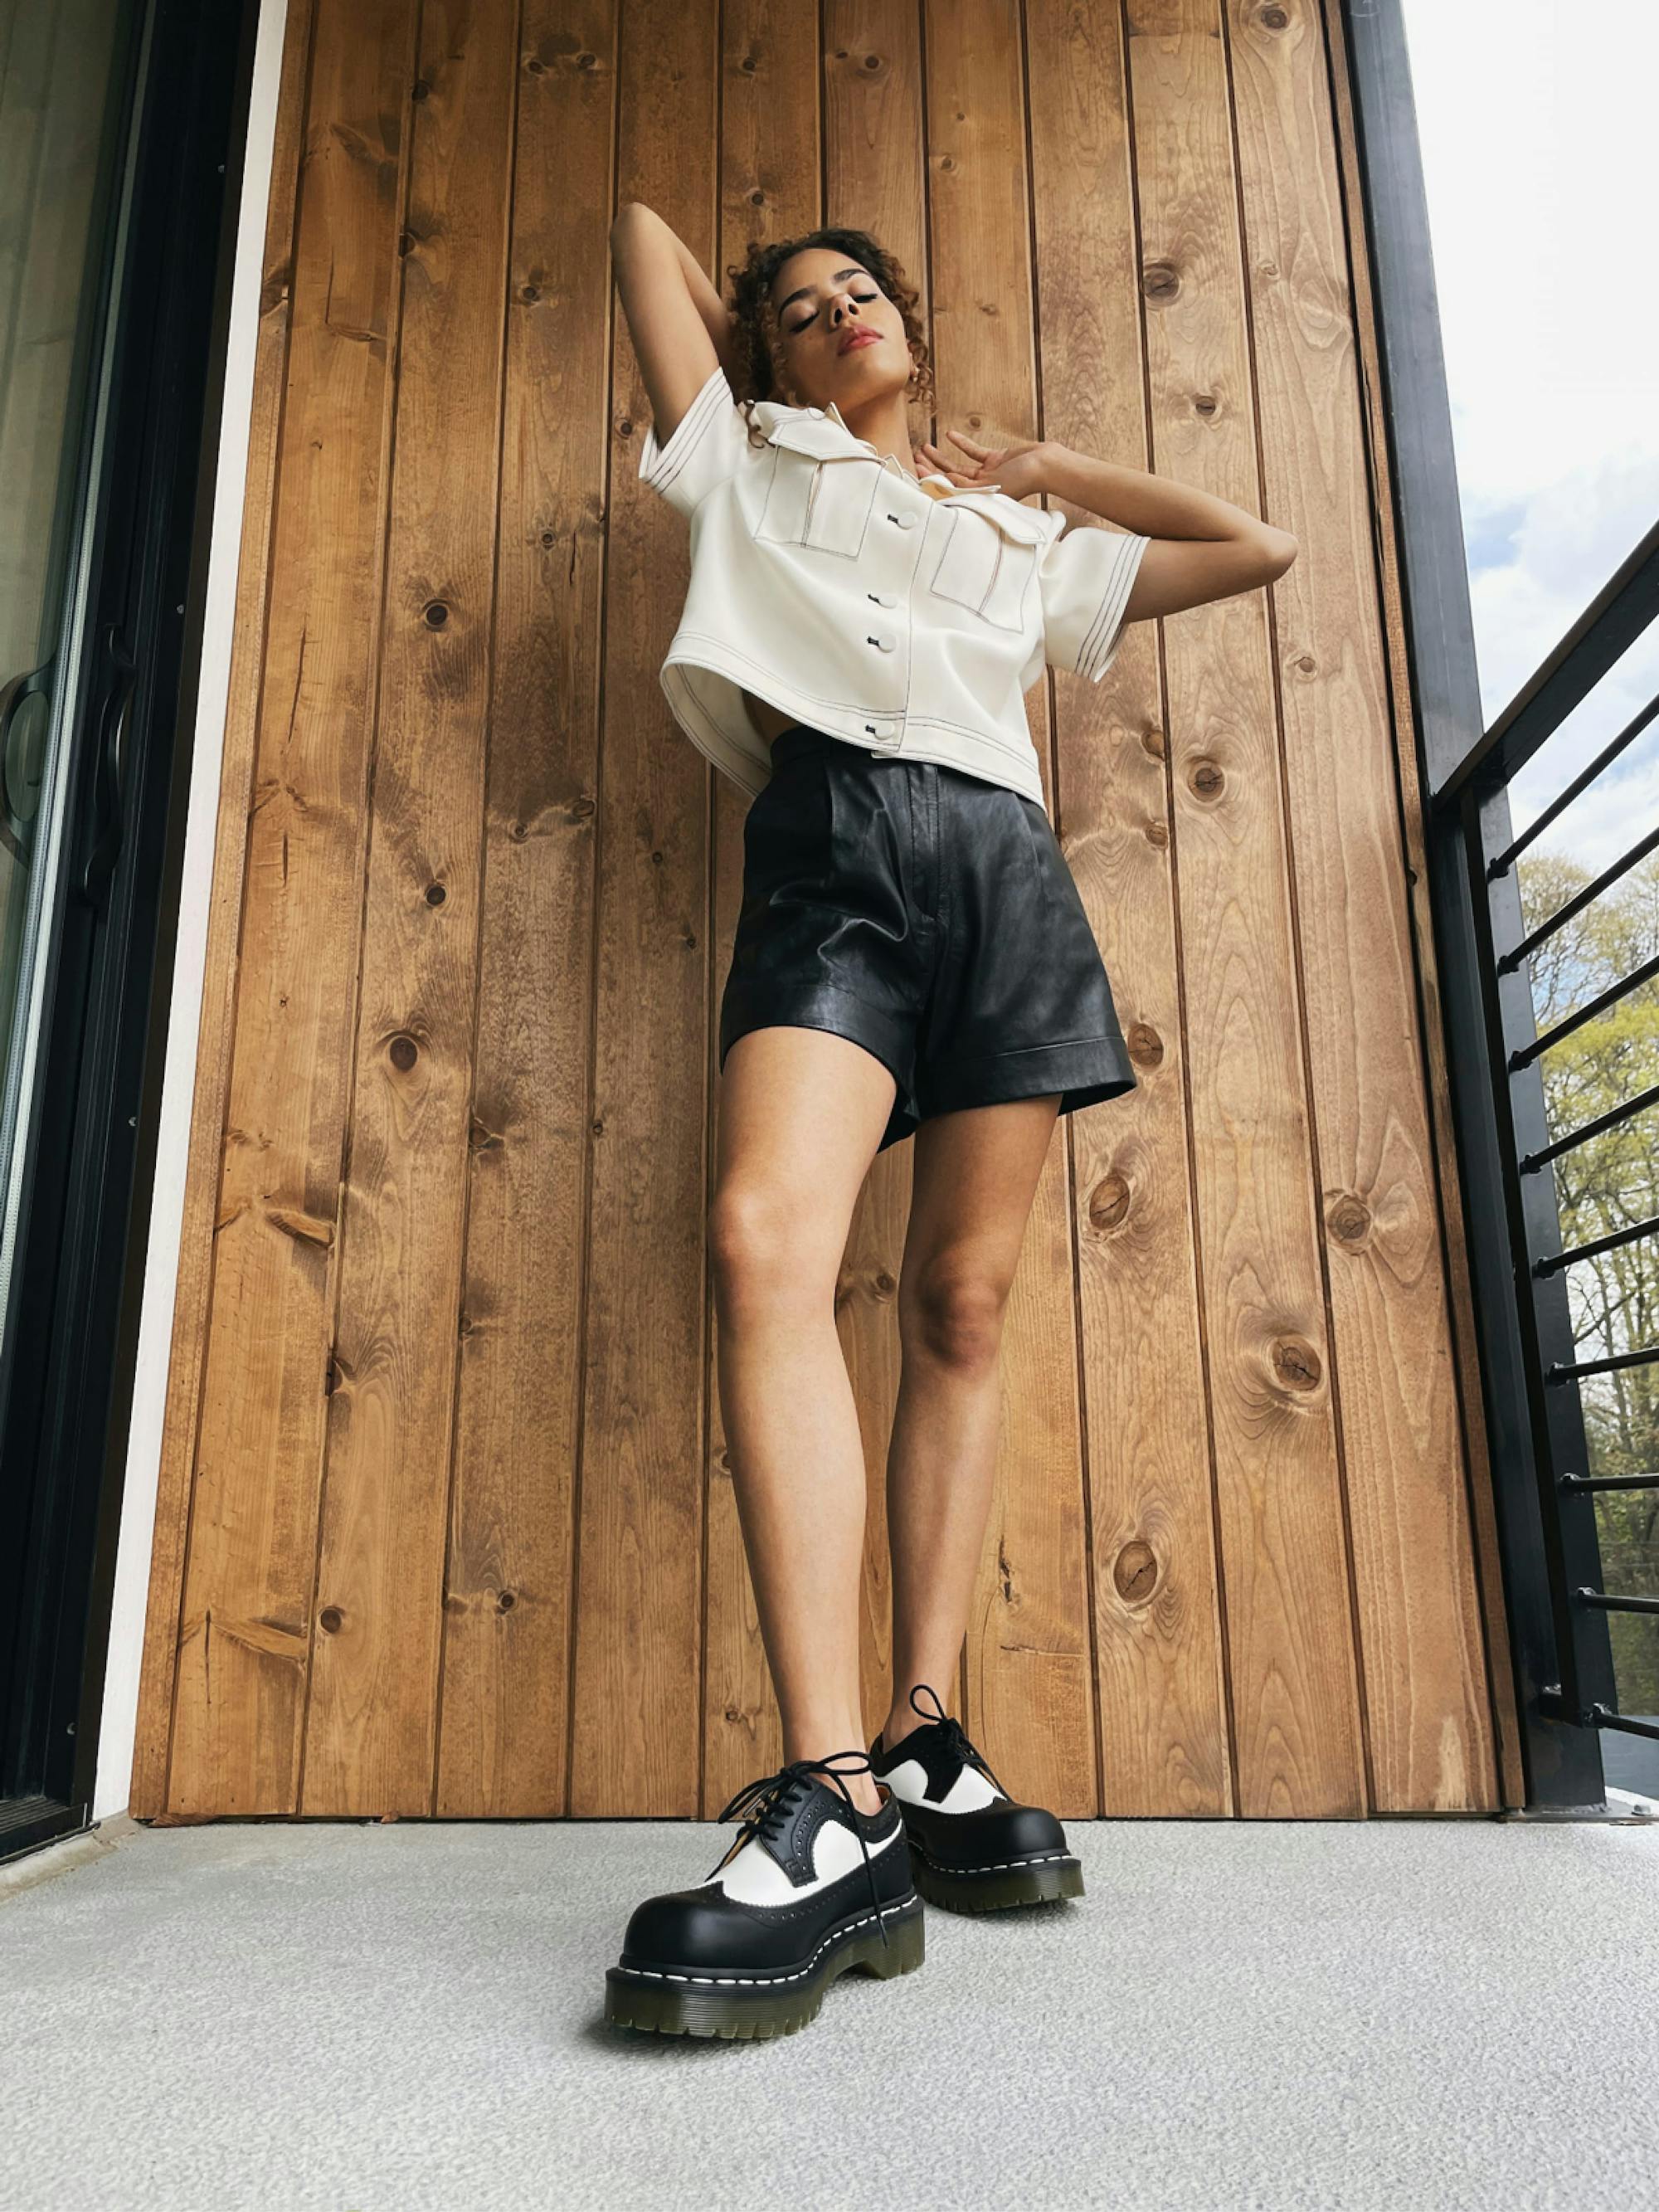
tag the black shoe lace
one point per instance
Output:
(953, 1736)
(765, 1805)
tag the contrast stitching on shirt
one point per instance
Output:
(1113, 602)
(767, 1981)
(696, 418)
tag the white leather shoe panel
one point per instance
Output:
(970, 1793)
(753, 1876)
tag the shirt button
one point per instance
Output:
(905, 522)
(884, 598)
(884, 641)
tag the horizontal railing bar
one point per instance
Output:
(1588, 1013)
(1556, 1260)
(1603, 1603)
(1604, 1716)
(1627, 737)
(1512, 959)
(1609, 1481)
(1569, 1371)
(1609, 625)
(1622, 1112)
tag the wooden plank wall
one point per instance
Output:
(446, 1522)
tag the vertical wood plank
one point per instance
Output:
(635, 1722)
(244, 1634)
(1162, 1685)
(1428, 1715)
(505, 1721)
(769, 188)
(1029, 1692)
(372, 1719)
(1295, 1697)
(1512, 1783)
(215, 1029)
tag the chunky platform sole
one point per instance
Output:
(745, 2009)
(989, 1889)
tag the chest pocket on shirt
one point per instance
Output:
(988, 558)
(816, 499)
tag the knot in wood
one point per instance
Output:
(402, 1053)
(1146, 1045)
(435, 894)
(1274, 19)
(1135, 1572)
(1204, 402)
(582, 807)
(1158, 833)
(505, 1601)
(1108, 1201)
(1205, 777)
(885, 1285)
(1153, 743)
(1296, 1364)
(434, 614)
(1350, 1218)
(331, 1619)
(1160, 282)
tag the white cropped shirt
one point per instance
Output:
(825, 580)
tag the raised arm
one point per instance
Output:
(680, 327)
(1202, 548)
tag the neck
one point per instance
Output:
(885, 423)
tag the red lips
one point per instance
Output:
(857, 336)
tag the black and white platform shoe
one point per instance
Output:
(974, 1848)
(810, 1889)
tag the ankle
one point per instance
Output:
(859, 1787)
(896, 1727)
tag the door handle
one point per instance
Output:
(109, 769)
(20, 776)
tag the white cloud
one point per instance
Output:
(1537, 151)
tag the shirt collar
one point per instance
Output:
(833, 413)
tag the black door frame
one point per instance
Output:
(69, 1351)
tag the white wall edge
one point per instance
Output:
(118, 1728)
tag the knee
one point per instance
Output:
(953, 1313)
(760, 1255)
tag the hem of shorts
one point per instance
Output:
(749, 763)
(823, 1006)
(1083, 1070)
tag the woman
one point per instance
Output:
(863, 618)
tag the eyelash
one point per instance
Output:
(813, 318)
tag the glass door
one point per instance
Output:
(121, 123)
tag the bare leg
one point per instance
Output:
(801, 1113)
(975, 1176)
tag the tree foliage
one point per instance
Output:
(1609, 1182)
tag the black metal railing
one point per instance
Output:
(1469, 806)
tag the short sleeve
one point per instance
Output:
(709, 442)
(1086, 577)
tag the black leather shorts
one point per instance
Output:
(930, 916)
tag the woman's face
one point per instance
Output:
(843, 339)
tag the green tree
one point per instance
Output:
(1609, 1182)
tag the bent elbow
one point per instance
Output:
(1278, 551)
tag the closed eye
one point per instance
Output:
(793, 329)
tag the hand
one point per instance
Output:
(1018, 469)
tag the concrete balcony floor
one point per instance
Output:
(1402, 2013)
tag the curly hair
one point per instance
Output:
(758, 338)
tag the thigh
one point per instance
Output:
(975, 1173)
(801, 1114)
(1021, 1005)
(830, 935)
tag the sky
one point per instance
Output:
(1538, 128)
